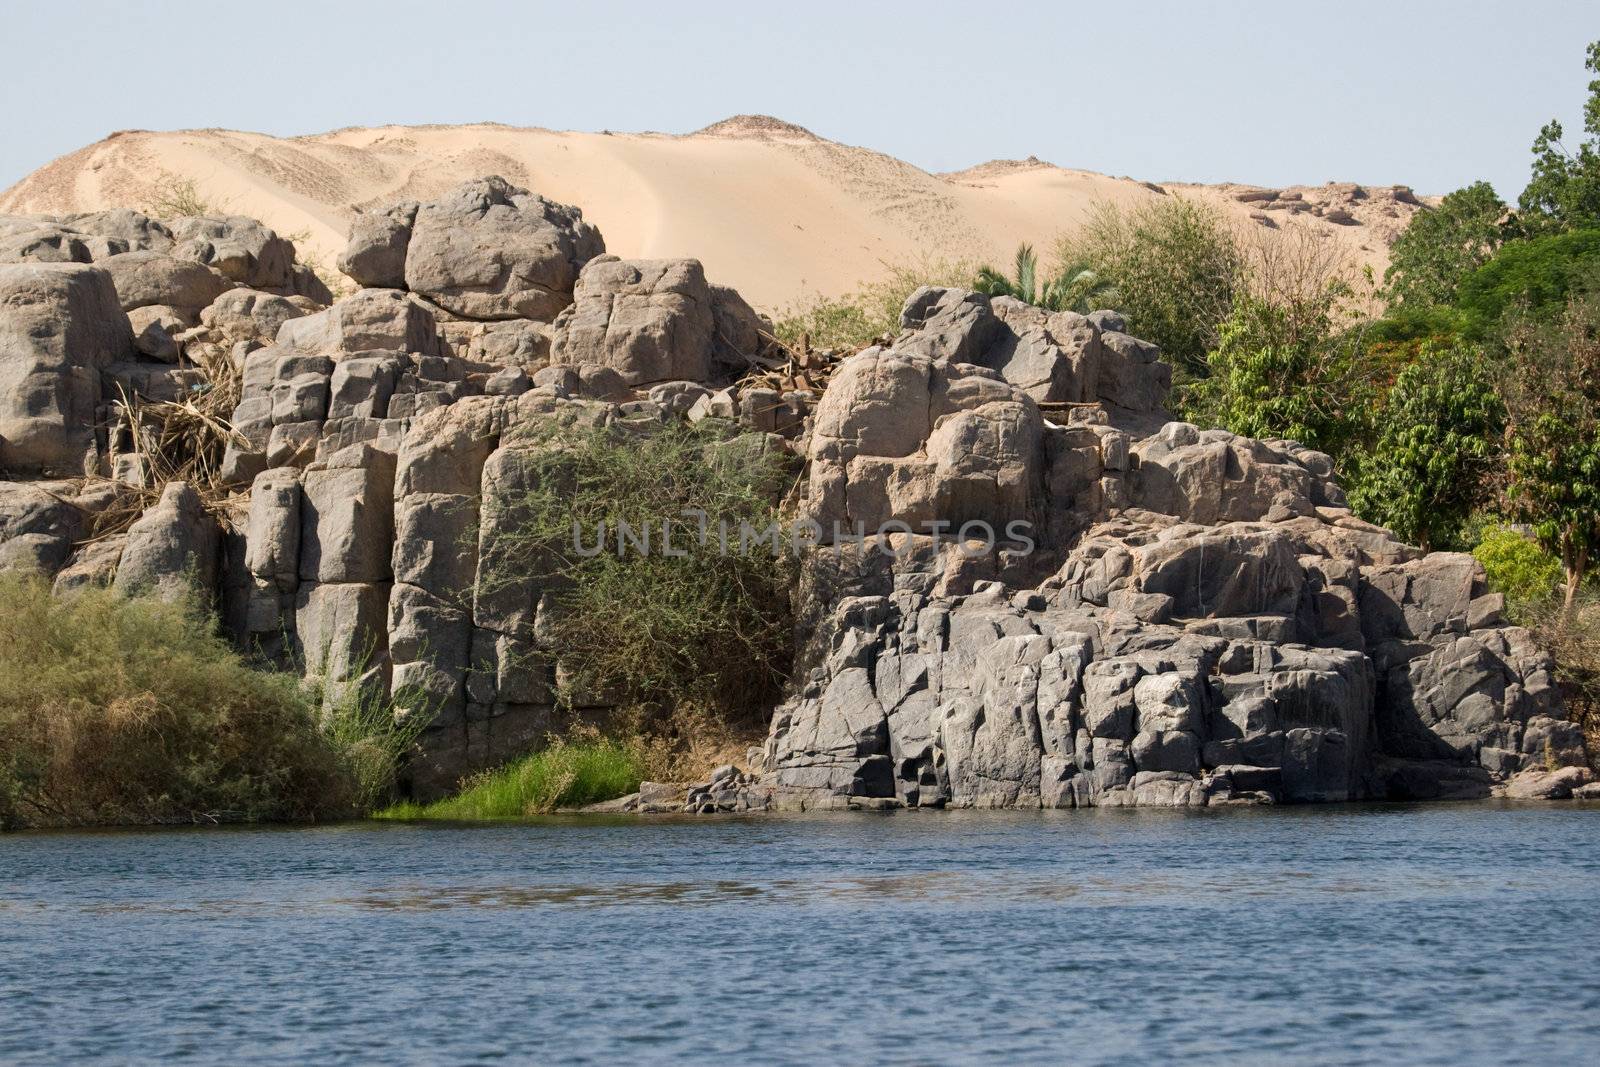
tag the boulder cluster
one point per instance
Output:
(1160, 615)
(1196, 617)
(376, 441)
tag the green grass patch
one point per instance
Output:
(565, 775)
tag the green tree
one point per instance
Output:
(1564, 193)
(1175, 268)
(1439, 431)
(1281, 369)
(1442, 245)
(1552, 391)
(1531, 277)
(1073, 287)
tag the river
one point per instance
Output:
(1450, 933)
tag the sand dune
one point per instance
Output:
(767, 206)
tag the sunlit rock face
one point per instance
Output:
(1075, 601)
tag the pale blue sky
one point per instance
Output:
(1432, 94)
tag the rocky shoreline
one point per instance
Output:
(1193, 618)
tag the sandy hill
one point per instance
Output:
(767, 206)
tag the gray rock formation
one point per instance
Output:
(375, 256)
(1192, 618)
(239, 248)
(81, 238)
(143, 279)
(172, 550)
(1076, 600)
(60, 326)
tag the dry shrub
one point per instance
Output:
(176, 441)
(175, 196)
(184, 440)
(869, 313)
(686, 742)
(701, 625)
(1294, 266)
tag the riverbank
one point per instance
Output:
(1337, 932)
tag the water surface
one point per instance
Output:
(1437, 934)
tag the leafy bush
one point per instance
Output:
(1283, 370)
(1175, 267)
(707, 626)
(872, 311)
(566, 774)
(1517, 567)
(134, 711)
(1437, 438)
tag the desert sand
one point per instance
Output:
(769, 207)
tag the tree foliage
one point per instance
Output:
(1436, 442)
(1444, 244)
(1282, 369)
(1531, 276)
(1552, 390)
(1564, 193)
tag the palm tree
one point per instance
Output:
(991, 282)
(1075, 287)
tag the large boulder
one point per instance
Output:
(656, 321)
(1058, 358)
(240, 248)
(372, 320)
(251, 315)
(60, 325)
(172, 550)
(375, 255)
(81, 238)
(488, 250)
(146, 278)
(132, 231)
(26, 239)
(38, 525)
(905, 438)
